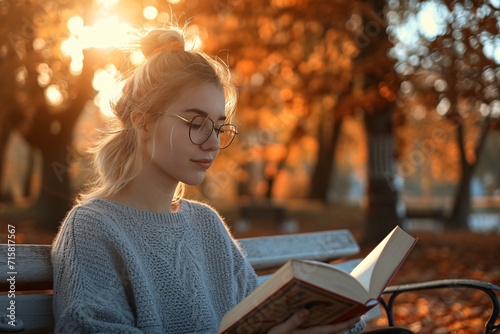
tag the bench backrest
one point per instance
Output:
(32, 269)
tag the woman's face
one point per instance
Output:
(170, 154)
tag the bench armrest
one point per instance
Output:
(393, 292)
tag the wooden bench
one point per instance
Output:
(33, 275)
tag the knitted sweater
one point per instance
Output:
(118, 269)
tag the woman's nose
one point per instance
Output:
(213, 142)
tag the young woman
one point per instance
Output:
(133, 256)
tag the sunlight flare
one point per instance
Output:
(106, 33)
(107, 3)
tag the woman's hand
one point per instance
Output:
(292, 324)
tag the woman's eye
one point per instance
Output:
(196, 125)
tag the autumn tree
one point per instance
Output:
(302, 67)
(375, 88)
(41, 96)
(454, 70)
(291, 61)
(51, 82)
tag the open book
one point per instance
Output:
(331, 295)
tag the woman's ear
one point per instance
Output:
(140, 124)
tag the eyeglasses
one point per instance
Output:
(201, 128)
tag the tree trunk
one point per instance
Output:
(378, 84)
(55, 194)
(4, 139)
(382, 193)
(297, 133)
(9, 120)
(328, 140)
(53, 134)
(458, 219)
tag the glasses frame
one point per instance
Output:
(217, 130)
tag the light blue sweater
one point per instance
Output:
(118, 269)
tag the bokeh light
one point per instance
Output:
(75, 25)
(105, 84)
(53, 95)
(150, 12)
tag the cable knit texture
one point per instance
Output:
(118, 269)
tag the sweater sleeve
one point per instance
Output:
(89, 290)
(246, 278)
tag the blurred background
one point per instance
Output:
(355, 114)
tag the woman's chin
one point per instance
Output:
(194, 181)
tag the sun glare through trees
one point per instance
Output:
(108, 32)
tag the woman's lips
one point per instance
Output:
(203, 163)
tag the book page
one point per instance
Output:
(376, 270)
(363, 271)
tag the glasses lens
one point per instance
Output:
(202, 127)
(227, 132)
(200, 130)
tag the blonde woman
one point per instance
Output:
(133, 256)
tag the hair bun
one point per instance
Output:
(158, 40)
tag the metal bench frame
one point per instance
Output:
(392, 292)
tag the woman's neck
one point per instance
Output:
(145, 195)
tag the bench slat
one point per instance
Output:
(274, 251)
(34, 270)
(346, 266)
(32, 266)
(35, 311)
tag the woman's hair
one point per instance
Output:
(168, 72)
